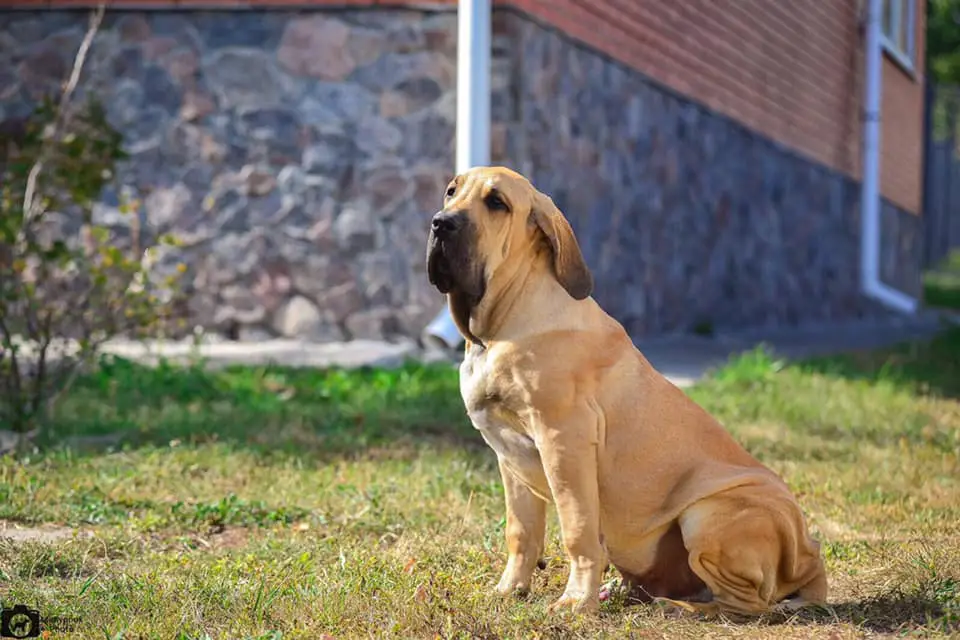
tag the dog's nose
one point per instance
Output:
(445, 223)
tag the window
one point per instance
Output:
(898, 22)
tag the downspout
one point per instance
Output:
(870, 281)
(473, 122)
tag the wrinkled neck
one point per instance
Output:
(518, 284)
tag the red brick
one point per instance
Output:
(213, 3)
(74, 3)
(789, 70)
(124, 4)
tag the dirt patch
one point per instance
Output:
(230, 538)
(43, 533)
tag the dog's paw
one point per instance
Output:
(576, 603)
(793, 606)
(516, 579)
(682, 609)
(512, 585)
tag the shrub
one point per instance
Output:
(67, 281)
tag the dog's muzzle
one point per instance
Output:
(443, 244)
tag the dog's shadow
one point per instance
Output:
(891, 613)
(884, 614)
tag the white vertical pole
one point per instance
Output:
(870, 178)
(473, 84)
(870, 281)
(473, 119)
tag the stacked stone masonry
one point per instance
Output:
(298, 155)
(687, 218)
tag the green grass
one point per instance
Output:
(270, 503)
(941, 285)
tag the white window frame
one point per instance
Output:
(900, 21)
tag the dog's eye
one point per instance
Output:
(495, 203)
(452, 189)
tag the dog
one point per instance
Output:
(641, 476)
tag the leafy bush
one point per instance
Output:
(67, 282)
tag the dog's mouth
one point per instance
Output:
(448, 269)
(439, 270)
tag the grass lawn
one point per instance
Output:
(941, 286)
(942, 289)
(271, 503)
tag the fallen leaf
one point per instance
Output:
(421, 595)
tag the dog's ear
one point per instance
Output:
(568, 263)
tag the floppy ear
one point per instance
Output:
(568, 263)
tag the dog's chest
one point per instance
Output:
(490, 413)
(515, 447)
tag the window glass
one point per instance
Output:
(903, 29)
(888, 9)
(902, 39)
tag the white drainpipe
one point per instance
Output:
(870, 185)
(473, 121)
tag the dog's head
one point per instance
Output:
(492, 215)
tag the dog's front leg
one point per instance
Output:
(568, 449)
(526, 529)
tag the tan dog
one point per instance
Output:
(641, 476)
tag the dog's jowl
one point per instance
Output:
(641, 476)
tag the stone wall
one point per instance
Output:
(901, 249)
(686, 217)
(299, 155)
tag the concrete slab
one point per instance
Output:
(684, 359)
(289, 353)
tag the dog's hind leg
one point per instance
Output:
(752, 551)
(667, 573)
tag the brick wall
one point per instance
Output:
(789, 70)
(684, 216)
(901, 167)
